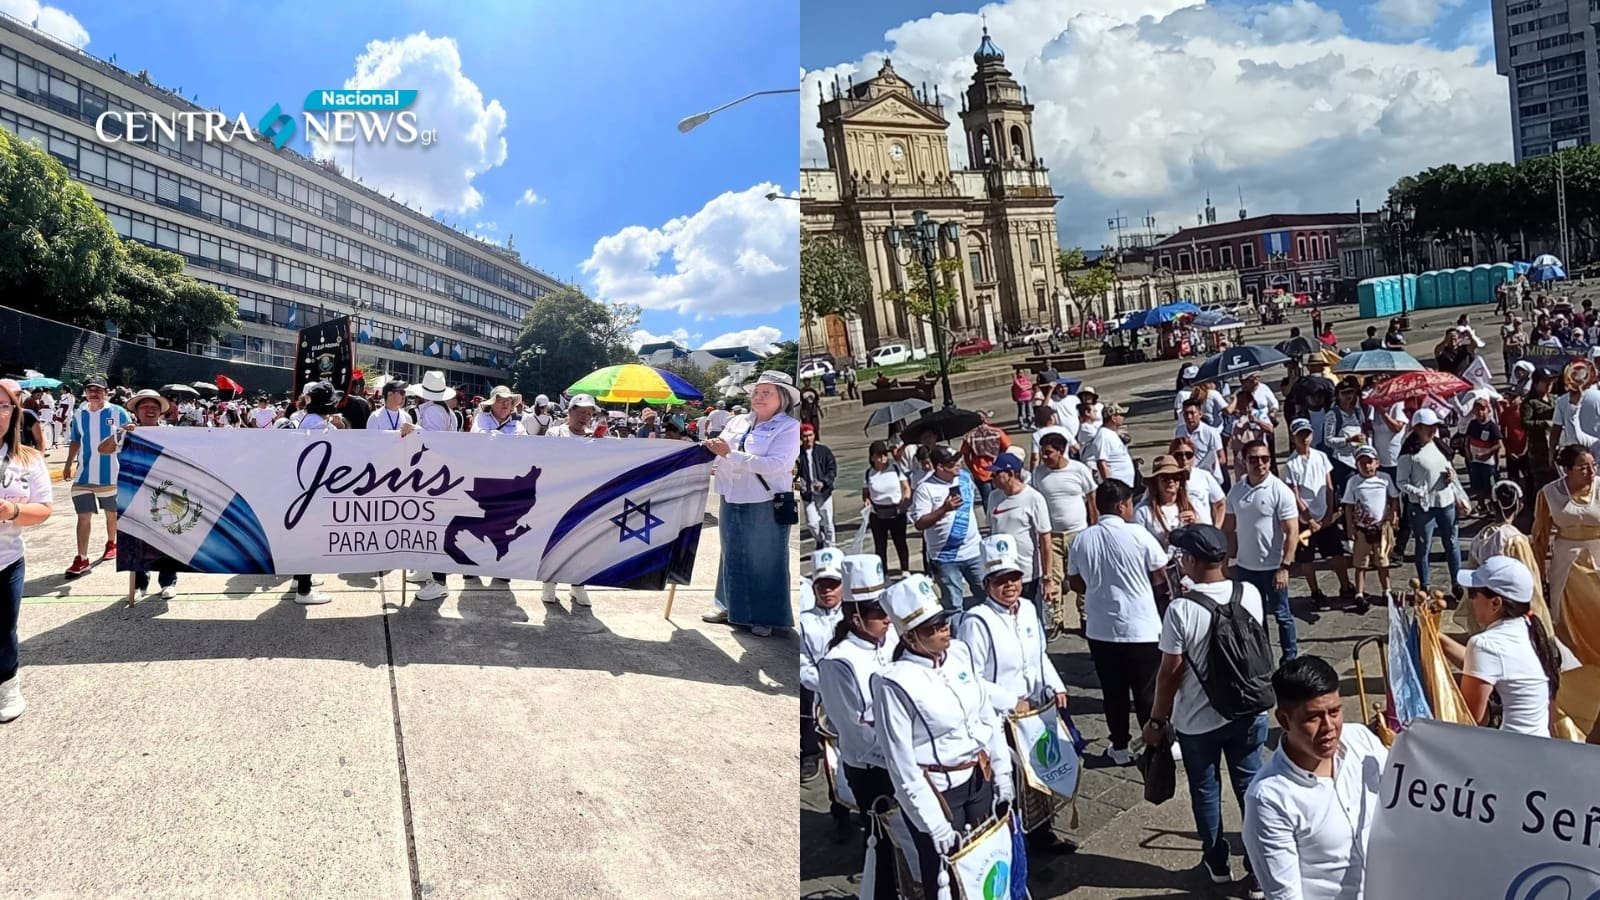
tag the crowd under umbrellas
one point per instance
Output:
(1347, 466)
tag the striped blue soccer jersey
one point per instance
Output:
(89, 429)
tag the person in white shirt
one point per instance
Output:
(432, 414)
(1513, 657)
(1203, 488)
(1342, 432)
(1389, 429)
(1185, 390)
(498, 414)
(1310, 473)
(1309, 811)
(716, 420)
(1206, 440)
(393, 415)
(1265, 403)
(1104, 451)
(1205, 736)
(1018, 510)
(581, 411)
(1064, 406)
(1045, 422)
(1371, 508)
(887, 494)
(817, 625)
(1067, 487)
(263, 415)
(1110, 564)
(942, 509)
(540, 418)
(1263, 523)
(1007, 642)
(25, 501)
(945, 746)
(1428, 480)
(861, 646)
(319, 418)
(1569, 405)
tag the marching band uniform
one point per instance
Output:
(844, 679)
(816, 630)
(942, 740)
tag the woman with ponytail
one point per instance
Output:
(1513, 657)
(24, 502)
(1501, 537)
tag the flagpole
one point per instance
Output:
(672, 593)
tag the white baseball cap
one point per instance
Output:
(863, 577)
(827, 562)
(1425, 416)
(1501, 575)
(581, 400)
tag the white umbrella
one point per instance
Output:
(1546, 259)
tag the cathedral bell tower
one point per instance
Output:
(996, 114)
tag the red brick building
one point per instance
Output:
(1295, 252)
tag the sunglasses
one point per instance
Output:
(1258, 459)
(1183, 456)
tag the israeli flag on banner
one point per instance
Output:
(294, 316)
(366, 335)
(188, 513)
(638, 523)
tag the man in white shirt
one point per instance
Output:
(1207, 439)
(1263, 524)
(580, 413)
(1019, 510)
(1064, 406)
(263, 415)
(1206, 736)
(1067, 486)
(716, 420)
(942, 509)
(1266, 402)
(432, 415)
(539, 420)
(392, 416)
(1104, 451)
(1308, 814)
(1388, 434)
(1310, 472)
(1569, 408)
(1110, 564)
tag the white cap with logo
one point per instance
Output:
(863, 577)
(1000, 555)
(912, 602)
(827, 562)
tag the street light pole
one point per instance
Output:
(690, 123)
(1561, 196)
(922, 239)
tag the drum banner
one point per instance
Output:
(1465, 811)
(1049, 760)
(982, 867)
(325, 352)
(604, 512)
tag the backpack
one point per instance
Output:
(1237, 677)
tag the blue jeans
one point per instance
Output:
(1239, 743)
(1481, 476)
(1424, 523)
(951, 575)
(10, 612)
(1276, 601)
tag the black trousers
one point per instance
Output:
(810, 743)
(868, 785)
(969, 804)
(1125, 670)
(892, 528)
(302, 584)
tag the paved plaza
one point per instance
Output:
(1129, 848)
(232, 743)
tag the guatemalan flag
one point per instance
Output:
(434, 349)
(638, 530)
(366, 335)
(294, 316)
(170, 505)
(455, 352)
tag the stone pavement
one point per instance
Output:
(1129, 848)
(231, 742)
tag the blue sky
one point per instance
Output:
(591, 94)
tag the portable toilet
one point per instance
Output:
(1447, 287)
(1367, 297)
(1408, 293)
(1501, 273)
(1427, 290)
(1463, 279)
(1482, 286)
(1391, 295)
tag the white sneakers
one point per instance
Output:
(11, 702)
(171, 590)
(1119, 757)
(312, 599)
(415, 577)
(433, 590)
(580, 597)
(549, 595)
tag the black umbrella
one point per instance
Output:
(897, 411)
(947, 423)
(1298, 345)
(179, 390)
(1236, 362)
(205, 388)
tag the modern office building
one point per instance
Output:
(1543, 47)
(293, 239)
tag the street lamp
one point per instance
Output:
(690, 123)
(921, 239)
(1398, 221)
(775, 196)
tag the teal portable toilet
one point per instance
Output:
(1367, 297)
(1463, 279)
(1482, 286)
(1428, 290)
(1446, 283)
(1408, 293)
(1501, 273)
(1391, 295)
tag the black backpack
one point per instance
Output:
(1237, 676)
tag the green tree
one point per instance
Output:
(915, 298)
(704, 380)
(153, 296)
(783, 357)
(59, 255)
(577, 335)
(833, 280)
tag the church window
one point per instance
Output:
(1017, 146)
(975, 263)
(1033, 250)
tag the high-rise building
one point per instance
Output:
(1544, 48)
(293, 239)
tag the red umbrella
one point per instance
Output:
(224, 383)
(1416, 385)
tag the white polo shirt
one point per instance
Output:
(1115, 558)
(1308, 475)
(1502, 655)
(1258, 511)
(1106, 445)
(1208, 444)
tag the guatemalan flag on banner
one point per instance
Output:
(203, 523)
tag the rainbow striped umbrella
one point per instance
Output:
(634, 383)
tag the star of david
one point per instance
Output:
(650, 521)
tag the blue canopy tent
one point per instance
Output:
(1161, 315)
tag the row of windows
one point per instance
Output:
(125, 174)
(1556, 40)
(219, 254)
(1517, 8)
(1561, 128)
(1534, 70)
(1539, 24)
(43, 85)
(1570, 103)
(1308, 247)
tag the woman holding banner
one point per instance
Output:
(1513, 657)
(949, 764)
(757, 454)
(433, 414)
(24, 502)
(1007, 643)
(319, 418)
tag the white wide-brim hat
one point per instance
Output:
(432, 387)
(781, 380)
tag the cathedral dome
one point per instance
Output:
(987, 51)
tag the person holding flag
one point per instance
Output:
(580, 415)
(432, 415)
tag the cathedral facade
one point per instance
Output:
(888, 154)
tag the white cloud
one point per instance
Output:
(470, 131)
(1411, 15)
(738, 254)
(529, 198)
(640, 337)
(486, 226)
(1149, 104)
(760, 339)
(58, 23)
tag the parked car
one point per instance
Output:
(889, 355)
(972, 347)
(1035, 335)
(815, 368)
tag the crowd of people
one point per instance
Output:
(1161, 566)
